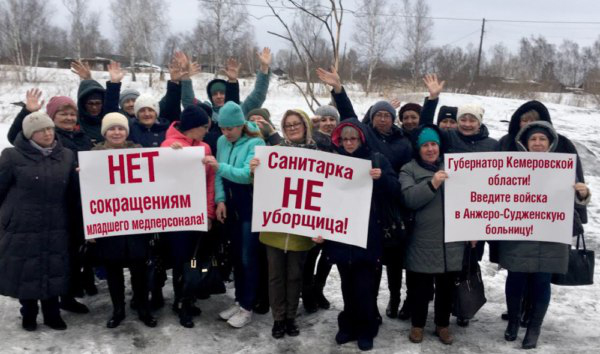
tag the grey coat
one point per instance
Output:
(35, 192)
(426, 251)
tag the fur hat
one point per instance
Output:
(472, 109)
(144, 101)
(114, 119)
(36, 121)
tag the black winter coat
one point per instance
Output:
(90, 125)
(122, 250)
(34, 216)
(396, 147)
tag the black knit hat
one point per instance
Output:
(446, 112)
(192, 117)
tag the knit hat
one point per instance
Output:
(192, 117)
(472, 109)
(446, 112)
(328, 111)
(114, 119)
(231, 115)
(383, 106)
(128, 94)
(409, 107)
(144, 101)
(36, 121)
(217, 87)
(263, 112)
(57, 103)
(428, 135)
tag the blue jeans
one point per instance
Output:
(245, 247)
(536, 285)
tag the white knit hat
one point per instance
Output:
(114, 119)
(146, 100)
(36, 121)
(472, 109)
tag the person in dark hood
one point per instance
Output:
(90, 100)
(359, 267)
(530, 264)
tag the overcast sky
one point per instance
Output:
(184, 14)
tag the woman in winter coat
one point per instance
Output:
(429, 259)
(286, 253)
(63, 112)
(359, 267)
(233, 195)
(530, 264)
(188, 132)
(129, 251)
(37, 179)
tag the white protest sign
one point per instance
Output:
(135, 191)
(515, 196)
(312, 193)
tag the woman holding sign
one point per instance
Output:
(530, 264)
(36, 183)
(429, 259)
(233, 195)
(286, 253)
(129, 251)
(359, 268)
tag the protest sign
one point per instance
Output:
(312, 193)
(135, 191)
(516, 196)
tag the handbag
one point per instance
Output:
(581, 267)
(201, 278)
(469, 293)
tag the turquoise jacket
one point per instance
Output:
(254, 100)
(234, 160)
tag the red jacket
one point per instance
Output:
(174, 135)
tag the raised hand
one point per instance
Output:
(176, 72)
(232, 70)
(265, 59)
(82, 69)
(32, 100)
(115, 72)
(330, 78)
(396, 103)
(433, 85)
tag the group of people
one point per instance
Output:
(44, 256)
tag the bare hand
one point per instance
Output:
(115, 72)
(221, 212)
(265, 59)
(254, 163)
(176, 146)
(232, 70)
(263, 124)
(330, 78)
(318, 239)
(176, 66)
(396, 103)
(582, 190)
(438, 178)
(375, 173)
(32, 100)
(433, 85)
(212, 162)
(82, 69)
(193, 69)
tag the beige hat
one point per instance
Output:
(36, 121)
(113, 119)
(472, 109)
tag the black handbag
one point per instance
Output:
(581, 267)
(469, 293)
(201, 278)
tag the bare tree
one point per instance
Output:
(417, 32)
(372, 35)
(140, 25)
(305, 41)
(78, 11)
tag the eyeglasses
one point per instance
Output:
(292, 126)
(382, 115)
(350, 140)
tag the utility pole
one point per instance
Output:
(480, 47)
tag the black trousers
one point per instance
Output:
(116, 284)
(50, 309)
(420, 287)
(359, 317)
(315, 281)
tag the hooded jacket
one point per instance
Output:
(89, 124)
(175, 136)
(35, 210)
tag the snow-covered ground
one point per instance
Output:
(571, 324)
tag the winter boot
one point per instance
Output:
(117, 317)
(278, 330)
(513, 305)
(392, 308)
(51, 312)
(185, 314)
(68, 303)
(29, 311)
(290, 328)
(416, 335)
(538, 312)
(444, 335)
